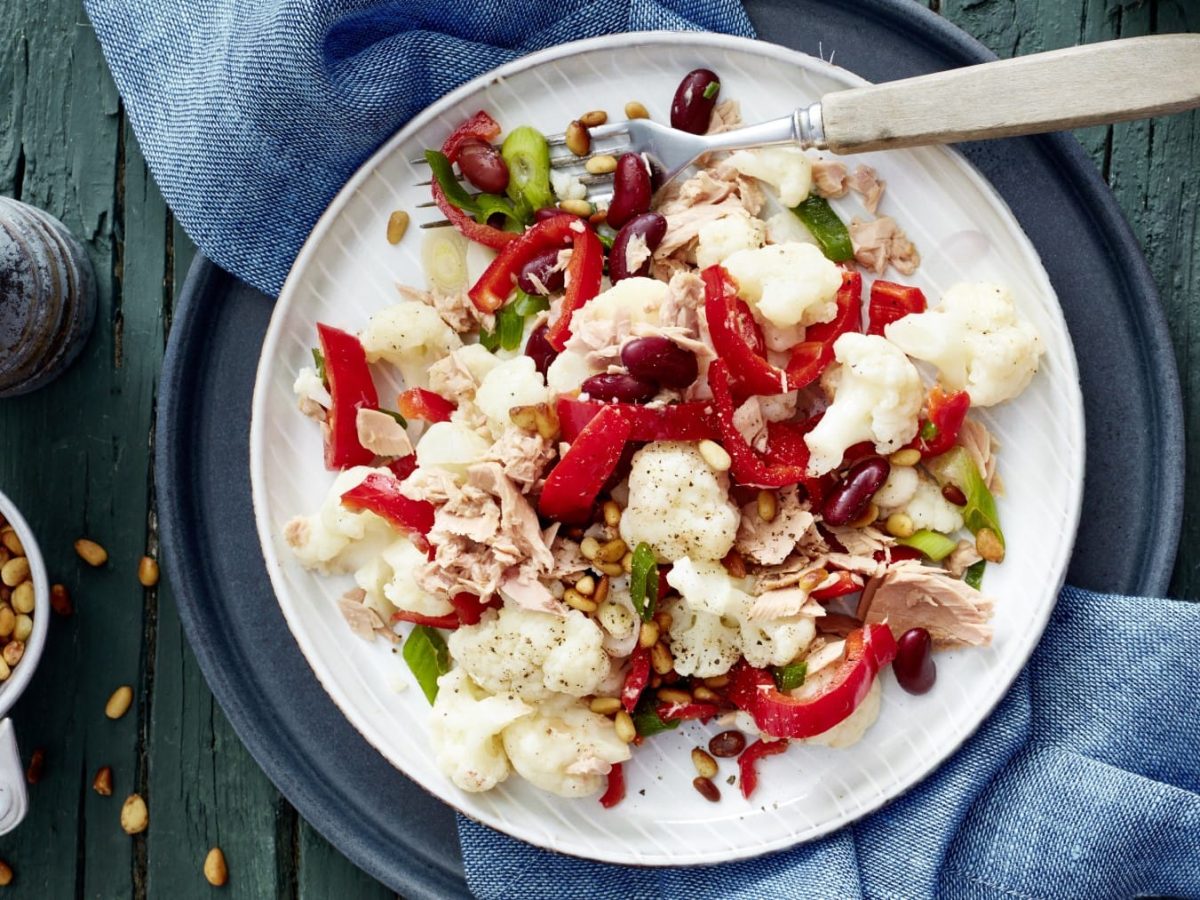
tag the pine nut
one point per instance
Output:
(987, 545)
(5, 671)
(586, 585)
(707, 789)
(627, 563)
(613, 570)
(60, 600)
(870, 514)
(648, 636)
(577, 138)
(37, 762)
(635, 110)
(120, 701)
(663, 620)
(13, 651)
(8, 621)
(589, 547)
(715, 455)
(6, 874)
(216, 872)
(602, 591)
(612, 551)
(812, 580)
(102, 783)
(660, 659)
(612, 513)
(605, 706)
(717, 682)
(674, 695)
(624, 726)
(5, 555)
(704, 695)
(91, 552)
(576, 600)
(397, 225)
(134, 815)
(148, 572)
(706, 766)
(22, 597)
(768, 506)
(906, 457)
(576, 207)
(15, 571)
(735, 563)
(601, 165)
(11, 542)
(593, 119)
(900, 525)
(23, 628)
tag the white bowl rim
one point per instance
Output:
(12, 689)
(1001, 685)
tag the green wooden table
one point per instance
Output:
(76, 457)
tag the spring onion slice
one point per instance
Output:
(489, 340)
(319, 362)
(789, 677)
(428, 657)
(827, 229)
(956, 467)
(974, 574)
(528, 157)
(510, 327)
(643, 589)
(933, 544)
(530, 304)
(444, 260)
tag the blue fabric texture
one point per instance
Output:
(1085, 782)
(251, 115)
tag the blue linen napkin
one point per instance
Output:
(251, 116)
(1085, 782)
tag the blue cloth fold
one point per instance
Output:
(252, 115)
(1085, 782)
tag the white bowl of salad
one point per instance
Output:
(664, 527)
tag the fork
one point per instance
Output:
(1095, 84)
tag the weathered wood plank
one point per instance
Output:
(322, 872)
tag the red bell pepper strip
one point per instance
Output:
(939, 428)
(675, 422)
(847, 583)
(786, 447)
(636, 679)
(615, 792)
(449, 621)
(747, 466)
(570, 490)
(753, 690)
(889, 302)
(351, 389)
(671, 712)
(470, 608)
(480, 127)
(737, 338)
(418, 403)
(381, 495)
(403, 466)
(813, 355)
(748, 773)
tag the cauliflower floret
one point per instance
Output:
(308, 386)
(678, 505)
(877, 396)
(464, 730)
(851, 729)
(787, 284)
(635, 299)
(390, 585)
(707, 586)
(786, 228)
(976, 340)
(411, 336)
(702, 643)
(899, 488)
(568, 372)
(727, 235)
(451, 446)
(532, 654)
(337, 539)
(567, 186)
(516, 382)
(564, 748)
(787, 169)
(776, 642)
(929, 509)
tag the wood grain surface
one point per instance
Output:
(76, 457)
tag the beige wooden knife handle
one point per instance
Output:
(1089, 85)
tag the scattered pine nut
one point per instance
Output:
(8, 621)
(148, 572)
(612, 513)
(22, 628)
(37, 762)
(13, 651)
(15, 571)
(623, 723)
(215, 869)
(11, 542)
(635, 110)
(6, 874)
(397, 225)
(605, 706)
(102, 783)
(134, 816)
(91, 552)
(589, 547)
(660, 659)
(715, 455)
(22, 597)
(674, 695)
(120, 701)
(586, 585)
(905, 457)
(612, 551)
(663, 620)
(593, 119)
(900, 525)
(706, 789)
(987, 545)
(601, 164)
(577, 139)
(576, 207)
(768, 506)
(602, 591)
(5, 670)
(576, 600)
(704, 695)
(706, 766)
(717, 682)
(612, 570)
(648, 636)
(60, 600)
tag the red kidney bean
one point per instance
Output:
(539, 349)
(631, 189)
(483, 166)
(649, 226)
(541, 269)
(661, 361)
(849, 499)
(619, 388)
(913, 666)
(694, 101)
(727, 744)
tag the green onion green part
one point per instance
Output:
(510, 327)
(929, 431)
(789, 677)
(956, 467)
(489, 340)
(643, 581)
(395, 415)
(712, 89)
(530, 304)
(428, 657)
(827, 229)
(319, 362)
(935, 545)
(528, 157)
(974, 574)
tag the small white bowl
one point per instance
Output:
(14, 800)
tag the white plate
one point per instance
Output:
(964, 231)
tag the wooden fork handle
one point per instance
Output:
(1089, 85)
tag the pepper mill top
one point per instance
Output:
(47, 297)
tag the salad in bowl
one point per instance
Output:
(695, 457)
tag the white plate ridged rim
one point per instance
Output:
(670, 824)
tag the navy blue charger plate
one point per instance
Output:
(378, 818)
